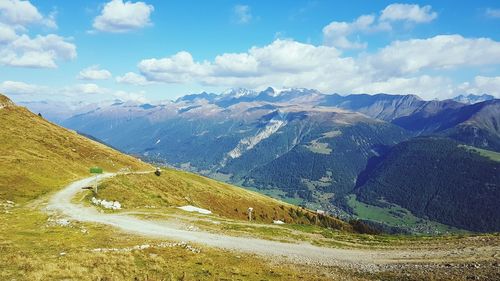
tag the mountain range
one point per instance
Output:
(299, 144)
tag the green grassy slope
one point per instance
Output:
(37, 156)
(396, 216)
(177, 188)
(486, 153)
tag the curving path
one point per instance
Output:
(302, 252)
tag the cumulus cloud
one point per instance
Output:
(481, 85)
(493, 13)
(19, 14)
(38, 52)
(283, 62)
(94, 73)
(408, 12)
(118, 16)
(7, 34)
(441, 52)
(84, 91)
(427, 87)
(178, 68)
(401, 67)
(98, 92)
(19, 88)
(242, 14)
(132, 79)
(20, 49)
(338, 33)
(23, 88)
(130, 96)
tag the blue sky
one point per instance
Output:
(150, 50)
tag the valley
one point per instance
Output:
(298, 145)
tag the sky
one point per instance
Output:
(160, 50)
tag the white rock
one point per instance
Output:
(250, 142)
(63, 222)
(278, 222)
(114, 205)
(117, 205)
(190, 208)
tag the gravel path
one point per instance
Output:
(302, 253)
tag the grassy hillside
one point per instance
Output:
(495, 156)
(37, 156)
(438, 179)
(33, 247)
(176, 188)
(393, 215)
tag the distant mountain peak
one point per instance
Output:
(273, 92)
(239, 92)
(472, 98)
(193, 97)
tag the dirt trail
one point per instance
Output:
(302, 252)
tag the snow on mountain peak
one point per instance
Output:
(239, 92)
(471, 98)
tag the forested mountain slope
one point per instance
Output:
(438, 179)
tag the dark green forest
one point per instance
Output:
(438, 179)
(350, 151)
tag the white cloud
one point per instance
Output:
(22, 88)
(291, 56)
(22, 50)
(41, 51)
(7, 34)
(482, 85)
(339, 33)
(408, 12)
(82, 92)
(493, 13)
(427, 87)
(94, 73)
(178, 68)
(93, 91)
(336, 33)
(242, 13)
(38, 52)
(19, 14)
(119, 16)
(401, 67)
(132, 79)
(282, 63)
(85, 89)
(236, 64)
(19, 88)
(130, 96)
(441, 52)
